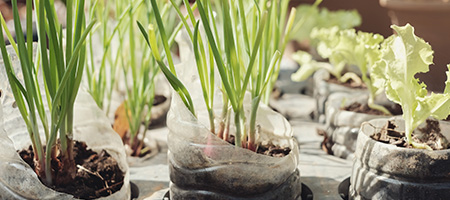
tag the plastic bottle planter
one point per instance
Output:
(158, 118)
(342, 126)
(384, 171)
(17, 178)
(430, 19)
(323, 89)
(203, 166)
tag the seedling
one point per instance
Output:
(345, 47)
(245, 58)
(61, 60)
(403, 56)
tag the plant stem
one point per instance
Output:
(371, 102)
(408, 123)
(237, 123)
(252, 133)
(350, 76)
(223, 118)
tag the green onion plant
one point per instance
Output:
(132, 58)
(246, 53)
(60, 61)
(102, 74)
(143, 71)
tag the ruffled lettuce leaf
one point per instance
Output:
(329, 41)
(308, 66)
(348, 47)
(403, 56)
(323, 18)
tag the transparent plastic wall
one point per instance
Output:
(203, 164)
(17, 178)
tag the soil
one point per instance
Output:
(274, 151)
(432, 137)
(159, 99)
(143, 150)
(98, 175)
(121, 126)
(350, 83)
(395, 109)
(268, 150)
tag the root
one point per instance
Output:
(95, 174)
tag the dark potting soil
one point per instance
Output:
(395, 109)
(432, 138)
(268, 150)
(350, 83)
(98, 175)
(274, 151)
(159, 99)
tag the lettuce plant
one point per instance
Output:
(346, 47)
(403, 56)
(311, 16)
(245, 55)
(60, 58)
(330, 40)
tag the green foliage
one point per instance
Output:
(308, 66)
(128, 61)
(62, 67)
(403, 56)
(347, 47)
(245, 58)
(315, 17)
(102, 74)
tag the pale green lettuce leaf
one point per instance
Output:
(354, 48)
(312, 15)
(435, 105)
(329, 39)
(343, 47)
(323, 18)
(403, 56)
(378, 74)
(307, 66)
